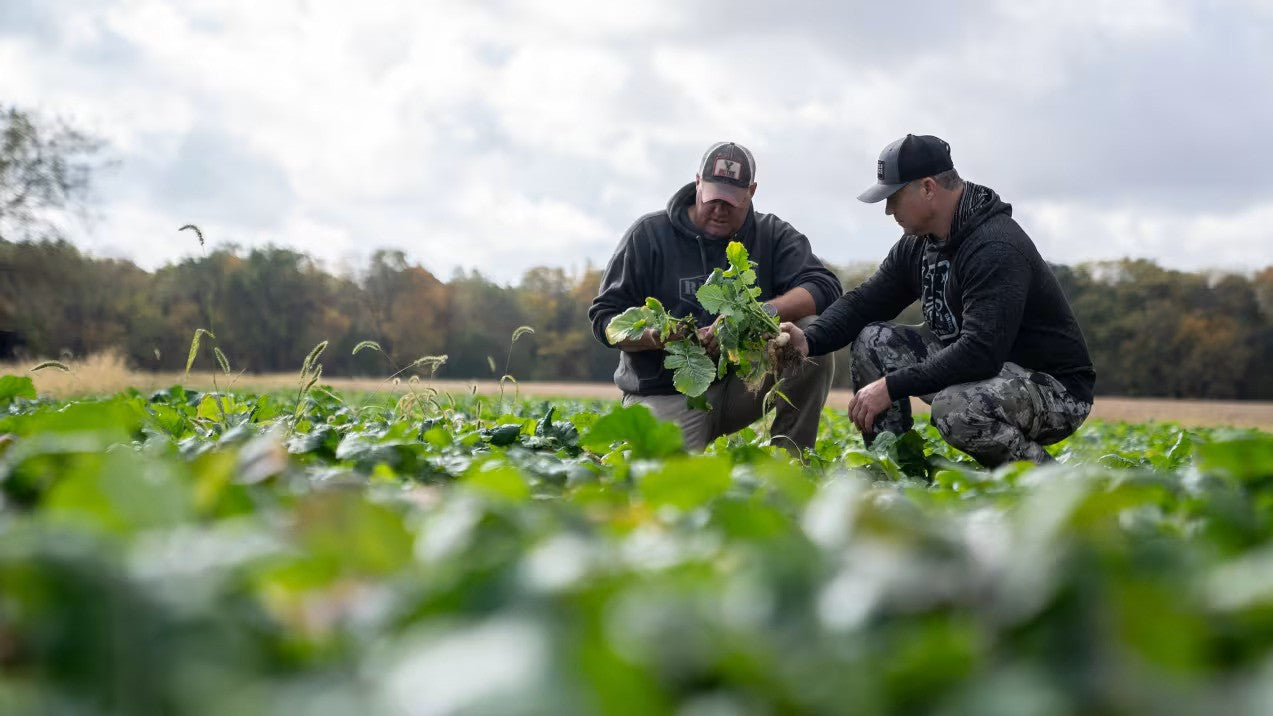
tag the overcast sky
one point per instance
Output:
(505, 134)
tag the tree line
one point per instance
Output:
(1152, 331)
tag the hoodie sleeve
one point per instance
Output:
(622, 285)
(795, 266)
(996, 282)
(880, 298)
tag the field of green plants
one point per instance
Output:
(312, 553)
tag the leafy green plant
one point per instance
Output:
(747, 337)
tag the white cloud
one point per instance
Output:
(1070, 232)
(503, 134)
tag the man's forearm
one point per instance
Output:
(794, 304)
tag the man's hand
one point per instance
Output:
(707, 337)
(867, 403)
(797, 339)
(650, 340)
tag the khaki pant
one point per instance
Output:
(734, 407)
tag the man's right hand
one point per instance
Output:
(797, 338)
(649, 341)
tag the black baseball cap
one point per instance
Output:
(902, 162)
(726, 172)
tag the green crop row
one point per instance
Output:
(193, 553)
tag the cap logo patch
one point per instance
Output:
(728, 168)
(879, 170)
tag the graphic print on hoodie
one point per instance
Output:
(937, 312)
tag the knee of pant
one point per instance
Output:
(870, 337)
(958, 416)
(820, 369)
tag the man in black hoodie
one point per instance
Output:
(1000, 356)
(669, 254)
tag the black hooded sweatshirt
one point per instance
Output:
(985, 292)
(665, 256)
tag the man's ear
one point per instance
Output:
(751, 190)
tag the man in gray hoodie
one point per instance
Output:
(1000, 356)
(669, 254)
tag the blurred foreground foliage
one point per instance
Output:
(202, 553)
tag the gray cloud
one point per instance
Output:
(213, 178)
(505, 134)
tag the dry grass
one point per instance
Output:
(97, 374)
(106, 373)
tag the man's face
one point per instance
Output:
(909, 206)
(718, 218)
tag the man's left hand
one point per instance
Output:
(707, 337)
(867, 403)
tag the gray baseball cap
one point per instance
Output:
(902, 162)
(726, 172)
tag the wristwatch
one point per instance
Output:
(769, 309)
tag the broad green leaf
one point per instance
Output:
(1242, 459)
(629, 325)
(359, 536)
(502, 482)
(209, 408)
(687, 482)
(636, 426)
(712, 297)
(12, 386)
(693, 368)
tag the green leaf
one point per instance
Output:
(637, 427)
(209, 408)
(12, 386)
(356, 535)
(502, 435)
(713, 297)
(629, 325)
(737, 255)
(687, 482)
(908, 452)
(1243, 459)
(693, 368)
(499, 481)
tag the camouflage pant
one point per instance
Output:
(1008, 417)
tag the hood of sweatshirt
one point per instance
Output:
(977, 205)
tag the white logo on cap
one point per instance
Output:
(728, 168)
